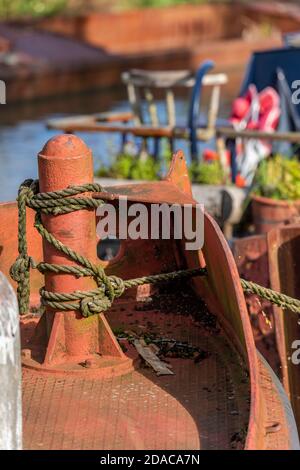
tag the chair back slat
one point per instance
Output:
(171, 111)
(134, 103)
(213, 108)
(152, 109)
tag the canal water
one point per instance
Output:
(23, 133)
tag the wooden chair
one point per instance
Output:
(141, 86)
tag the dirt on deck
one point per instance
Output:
(204, 405)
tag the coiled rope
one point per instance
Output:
(108, 287)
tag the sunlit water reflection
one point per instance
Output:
(23, 134)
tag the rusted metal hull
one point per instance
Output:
(284, 261)
(227, 400)
(271, 260)
(251, 257)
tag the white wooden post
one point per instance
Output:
(10, 369)
(2, 92)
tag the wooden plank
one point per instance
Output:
(213, 107)
(114, 116)
(250, 134)
(151, 107)
(170, 78)
(135, 104)
(73, 122)
(151, 358)
(170, 100)
(141, 131)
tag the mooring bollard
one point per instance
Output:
(65, 160)
(10, 369)
(65, 339)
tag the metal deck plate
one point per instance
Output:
(204, 405)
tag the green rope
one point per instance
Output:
(108, 287)
(282, 300)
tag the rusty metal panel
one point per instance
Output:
(251, 256)
(9, 245)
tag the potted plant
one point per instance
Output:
(276, 193)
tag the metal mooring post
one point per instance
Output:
(64, 161)
(66, 340)
(10, 369)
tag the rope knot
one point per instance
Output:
(118, 285)
(20, 268)
(27, 191)
(109, 287)
(113, 285)
(90, 306)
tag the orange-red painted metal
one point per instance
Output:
(251, 257)
(272, 260)
(221, 290)
(97, 409)
(9, 245)
(66, 341)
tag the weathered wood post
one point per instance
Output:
(2, 92)
(10, 369)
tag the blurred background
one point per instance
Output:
(66, 57)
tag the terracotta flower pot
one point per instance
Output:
(268, 213)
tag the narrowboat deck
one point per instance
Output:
(204, 405)
(84, 390)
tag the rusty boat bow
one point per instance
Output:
(100, 381)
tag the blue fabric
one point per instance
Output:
(278, 68)
(288, 116)
(263, 66)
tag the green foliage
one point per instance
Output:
(132, 167)
(278, 178)
(122, 166)
(34, 8)
(207, 172)
(160, 3)
(144, 167)
(30, 8)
